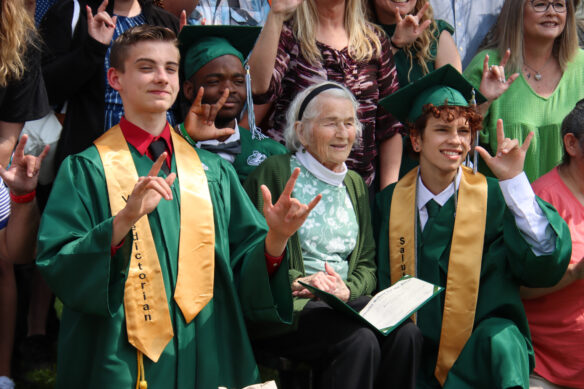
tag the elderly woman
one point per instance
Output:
(307, 42)
(333, 250)
(537, 41)
(556, 314)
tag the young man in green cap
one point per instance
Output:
(478, 237)
(213, 67)
(155, 249)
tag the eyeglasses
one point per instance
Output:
(541, 6)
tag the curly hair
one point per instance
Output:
(449, 113)
(419, 50)
(17, 33)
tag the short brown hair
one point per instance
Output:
(134, 35)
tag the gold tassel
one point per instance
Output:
(141, 379)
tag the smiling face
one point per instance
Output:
(385, 9)
(543, 25)
(443, 145)
(329, 137)
(225, 72)
(148, 82)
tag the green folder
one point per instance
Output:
(380, 313)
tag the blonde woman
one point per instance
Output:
(22, 91)
(305, 42)
(22, 97)
(537, 40)
(420, 43)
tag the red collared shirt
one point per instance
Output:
(141, 139)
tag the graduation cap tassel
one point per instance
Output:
(255, 131)
(475, 161)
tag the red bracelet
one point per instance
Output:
(25, 198)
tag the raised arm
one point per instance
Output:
(17, 240)
(144, 199)
(447, 52)
(285, 217)
(263, 56)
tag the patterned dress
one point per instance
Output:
(369, 82)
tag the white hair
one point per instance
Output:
(313, 109)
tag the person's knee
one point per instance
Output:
(363, 342)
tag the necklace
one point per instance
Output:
(537, 76)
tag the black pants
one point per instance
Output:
(347, 354)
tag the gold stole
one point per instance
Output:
(148, 321)
(464, 264)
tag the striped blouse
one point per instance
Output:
(4, 205)
(369, 82)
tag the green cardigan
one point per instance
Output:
(361, 279)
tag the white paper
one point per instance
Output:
(390, 306)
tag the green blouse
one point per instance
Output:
(523, 111)
(407, 73)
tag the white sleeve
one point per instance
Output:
(529, 217)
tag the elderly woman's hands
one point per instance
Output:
(330, 281)
(285, 217)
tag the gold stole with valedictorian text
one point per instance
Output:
(464, 264)
(148, 321)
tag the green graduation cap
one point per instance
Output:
(201, 44)
(444, 85)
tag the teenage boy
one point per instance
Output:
(213, 66)
(478, 237)
(159, 298)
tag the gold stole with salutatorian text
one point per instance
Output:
(464, 264)
(148, 321)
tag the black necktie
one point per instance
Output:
(156, 148)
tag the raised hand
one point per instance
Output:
(22, 175)
(200, 120)
(493, 82)
(286, 216)
(409, 28)
(148, 192)
(284, 8)
(101, 26)
(182, 19)
(510, 156)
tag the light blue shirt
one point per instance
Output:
(472, 20)
(248, 13)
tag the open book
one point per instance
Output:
(388, 308)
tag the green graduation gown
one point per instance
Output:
(499, 353)
(74, 257)
(254, 152)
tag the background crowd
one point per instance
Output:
(523, 56)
